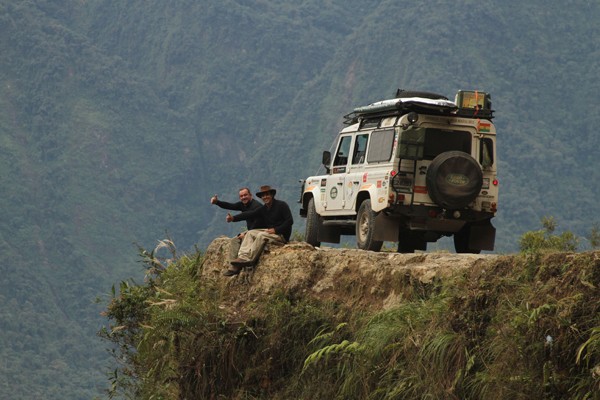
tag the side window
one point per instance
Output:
(360, 149)
(342, 153)
(370, 123)
(486, 152)
(380, 147)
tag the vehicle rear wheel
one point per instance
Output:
(311, 233)
(365, 224)
(461, 241)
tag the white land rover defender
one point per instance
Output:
(409, 170)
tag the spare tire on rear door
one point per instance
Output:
(454, 180)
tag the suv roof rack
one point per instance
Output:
(426, 103)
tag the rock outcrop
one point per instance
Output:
(361, 278)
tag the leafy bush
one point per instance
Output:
(544, 240)
(175, 338)
(485, 335)
(507, 329)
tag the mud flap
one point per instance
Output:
(386, 228)
(482, 237)
(329, 233)
(409, 241)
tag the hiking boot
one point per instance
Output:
(240, 262)
(232, 272)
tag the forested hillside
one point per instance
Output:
(119, 120)
(313, 323)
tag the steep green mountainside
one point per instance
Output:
(118, 121)
(310, 64)
(316, 323)
(546, 113)
(81, 181)
(229, 70)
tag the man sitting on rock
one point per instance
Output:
(275, 215)
(246, 203)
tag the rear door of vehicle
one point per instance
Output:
(437, 141)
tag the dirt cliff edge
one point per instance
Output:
(362, 278)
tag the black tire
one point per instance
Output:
(365, 224)
(461, 241)
(311, 233)
(454, 180)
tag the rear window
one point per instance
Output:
(438, 141)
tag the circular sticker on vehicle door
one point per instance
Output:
(333, 192)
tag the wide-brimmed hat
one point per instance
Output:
(266, 189)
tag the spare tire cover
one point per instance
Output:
(454, 179)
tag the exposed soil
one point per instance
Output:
(356, 277)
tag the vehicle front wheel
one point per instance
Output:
(365, 225)
(311, 233)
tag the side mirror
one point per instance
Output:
(326, 159)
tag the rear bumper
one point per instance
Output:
(426, 219)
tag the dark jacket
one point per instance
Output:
(251, 223)
(278, 216)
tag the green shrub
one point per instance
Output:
(545, 240)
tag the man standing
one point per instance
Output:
(246, 203)
(277, 218)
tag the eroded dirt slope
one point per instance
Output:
(358, 277)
